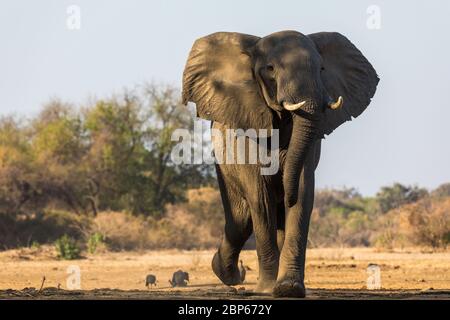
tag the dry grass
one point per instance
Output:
(326, 269)
(179, 229)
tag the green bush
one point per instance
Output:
(94, 241)
(67, 248)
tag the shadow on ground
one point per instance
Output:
(217, 292)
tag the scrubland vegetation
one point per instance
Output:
(99, 177)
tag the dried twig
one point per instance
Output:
(42, 286)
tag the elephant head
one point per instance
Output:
(244, 81)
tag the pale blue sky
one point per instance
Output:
(403, 136)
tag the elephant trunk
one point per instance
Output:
(303, 135)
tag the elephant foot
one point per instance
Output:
(289, 288)
(229, 275)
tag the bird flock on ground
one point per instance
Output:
(180, 278)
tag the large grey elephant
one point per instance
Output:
(305, 86)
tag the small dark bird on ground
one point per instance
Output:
(242, 271)
(179, 279)
(150, 280)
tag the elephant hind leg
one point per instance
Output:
(238, 228)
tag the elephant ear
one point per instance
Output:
(218, 77)
(346, 73)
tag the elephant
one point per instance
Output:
(305, 86)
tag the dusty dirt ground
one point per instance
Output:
(330, 273)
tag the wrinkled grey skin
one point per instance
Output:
(243, 81)
(179, 279)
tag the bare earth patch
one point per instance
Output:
(331, 273)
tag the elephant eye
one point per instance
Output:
(322, 68)
(269, 68)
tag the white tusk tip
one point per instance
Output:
(337, 104)
(293, 107)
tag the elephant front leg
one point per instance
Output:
(291, 273)
(264, 227)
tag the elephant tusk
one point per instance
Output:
(337, 104)
(293, 107)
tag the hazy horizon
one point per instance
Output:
(403, 135)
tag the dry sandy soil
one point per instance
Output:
(331, 273)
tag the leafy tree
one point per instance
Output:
(58, 148)
(129, 140)
(394, 196)
(114, 132)
(15, 166)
